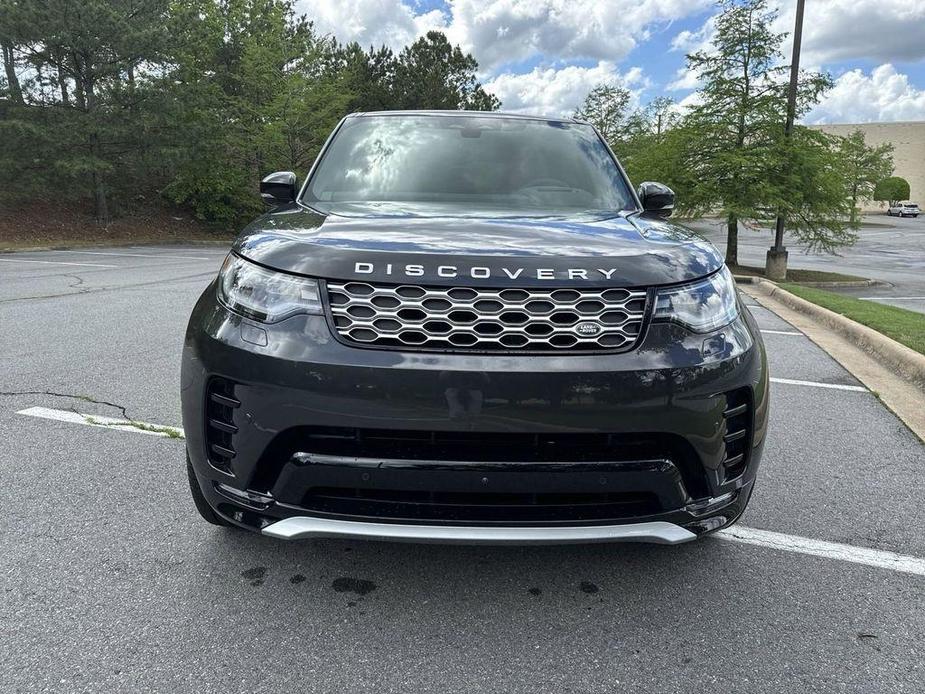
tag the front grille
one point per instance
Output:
(481, 506)
(483, 446)
(476, 320)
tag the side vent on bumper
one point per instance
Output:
(220, 427)
(737, 437)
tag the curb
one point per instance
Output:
(904, 361)
(847, 285)
(851, 284)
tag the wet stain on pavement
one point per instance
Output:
(346, 584)
(255, 575)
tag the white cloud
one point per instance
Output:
(884, 95)
(692, 41)
(558, 91)
(837, 30)
(560, 33)
(503, 31)
(497, 32)
(684, 79)
(833, 31)
(370, 22)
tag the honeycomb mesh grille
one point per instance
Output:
(477, 320)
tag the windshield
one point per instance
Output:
(470, 165)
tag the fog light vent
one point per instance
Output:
(221, 404)
(738, 422)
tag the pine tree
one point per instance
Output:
(433, 74)
(85, 58)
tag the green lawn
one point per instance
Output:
(797, 275)
(907, 327)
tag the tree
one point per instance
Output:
(655, 118)
(11, 86)
(85, 57)
(659, 146)
(432, 74)
(605, 108)
(666, 157)
(194, 100)
(892, 190)
(740, 118)
(253, 89)
(368, 76)
(812, 190)
(864, 167)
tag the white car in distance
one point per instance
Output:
(903, 209)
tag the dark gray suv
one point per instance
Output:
(468, 327)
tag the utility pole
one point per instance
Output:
(776, 264)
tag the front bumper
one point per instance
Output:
(318, 439)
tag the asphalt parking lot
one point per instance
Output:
(889, 249)
(111, 582)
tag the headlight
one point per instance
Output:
(265, 295)
(702, 306)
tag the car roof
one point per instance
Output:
(476, 114)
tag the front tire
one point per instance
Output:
(207, 512)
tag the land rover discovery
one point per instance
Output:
(468, 327)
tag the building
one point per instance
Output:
(908, 140)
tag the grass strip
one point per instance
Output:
(906, 327)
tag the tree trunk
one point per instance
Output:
(12, 80)
(79, 96)
(854, 205)
(100, 204)
(62, 76)
(732, 240)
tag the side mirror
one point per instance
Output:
(657, 199)
(278, 188)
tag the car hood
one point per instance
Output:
(622, 250)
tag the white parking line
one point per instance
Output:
(815, 384)
(51, 262)
(217, 249)
(891, 298)
(780, 332)
(827, 550)
(93, 420)
(140, 255)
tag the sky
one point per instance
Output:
(543, 56)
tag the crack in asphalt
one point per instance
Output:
(83, 398)
(78, 283)
(93, 290)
